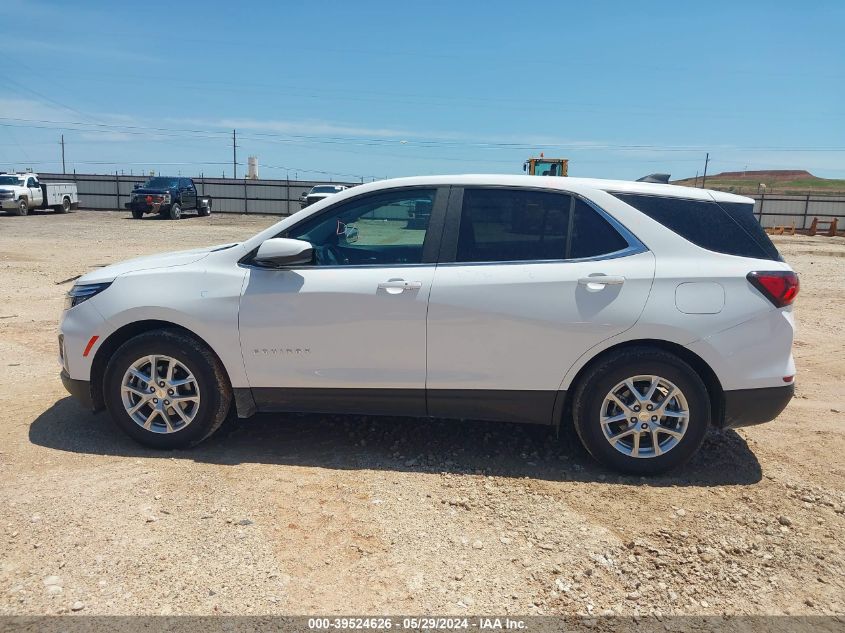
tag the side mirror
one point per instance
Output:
(304, 194)
(281, 251)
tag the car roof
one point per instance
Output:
(557, 182)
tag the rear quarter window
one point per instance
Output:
(728, 228)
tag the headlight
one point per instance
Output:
(166, 198)
(83, 292)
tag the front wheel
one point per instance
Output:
(166, 390)
(175, 211)
(23, 207)
(641, 411)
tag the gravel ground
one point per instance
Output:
(315, 514)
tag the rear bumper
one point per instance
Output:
(745, 407)
(79, 389)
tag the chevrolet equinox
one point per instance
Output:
(640, 313)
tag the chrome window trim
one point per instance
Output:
(625, 252)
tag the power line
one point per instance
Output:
(416, 142)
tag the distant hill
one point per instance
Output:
(783, 181)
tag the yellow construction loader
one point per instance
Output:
(543, 166)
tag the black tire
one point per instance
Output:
(137, 214)
(618, 366)
(212, 381)
(23, 207)
(64, 207)
(175, 211)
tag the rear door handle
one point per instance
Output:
(399, 285)
(602, 280)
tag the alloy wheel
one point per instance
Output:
(644, 416)
(160, 394)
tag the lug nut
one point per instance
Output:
(161, 384)
(644, 426)
(649, 407)
(654, 418)
(167, 402)
(152, 389)
(633, 419)
(155, 400)
(170, 392)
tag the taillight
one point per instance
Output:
(778, 286)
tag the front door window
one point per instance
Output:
(386, 229)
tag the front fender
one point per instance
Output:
(203, 302)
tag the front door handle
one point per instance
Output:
(601, 280)
(395, 286)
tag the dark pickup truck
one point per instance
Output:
(169, 197)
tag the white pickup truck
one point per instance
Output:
(21, 192)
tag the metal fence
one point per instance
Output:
(781, 210)
(276, 197)
(281, 197)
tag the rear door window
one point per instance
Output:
(728, 228)
(507, 225)
(511, 225)
(592, 235)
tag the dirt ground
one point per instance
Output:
(308, 514)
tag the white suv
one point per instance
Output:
(642, 313)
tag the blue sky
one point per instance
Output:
(382, 89)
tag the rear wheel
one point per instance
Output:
(23, 207)
(641, 411)
(166, 390)
(64, 207)
(175, 211)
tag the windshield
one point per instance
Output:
(11, 180)
(161, 183)
(326, 189)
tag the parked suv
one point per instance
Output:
(169, 197)
(319, 192)
(641, 313)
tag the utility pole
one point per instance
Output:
(235, 153)
(63, 154)
(704, 175)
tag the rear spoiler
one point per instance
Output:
(662, 179)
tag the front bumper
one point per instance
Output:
(79, 389)
(745, 407)
(148, 208)
(8, 204)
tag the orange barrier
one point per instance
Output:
(828, 227)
